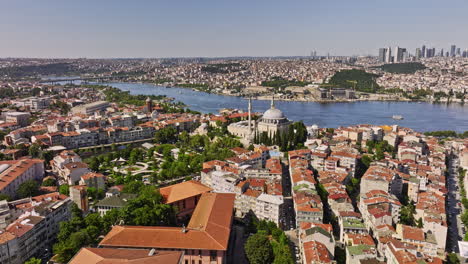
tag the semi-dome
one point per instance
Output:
(273, 113)
(154, 114)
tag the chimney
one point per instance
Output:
(151, 253)
(184, 230)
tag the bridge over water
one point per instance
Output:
(96, 78)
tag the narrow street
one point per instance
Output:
(289, 215)
(454, 210)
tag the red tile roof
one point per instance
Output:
(208, 229)
(182, 191)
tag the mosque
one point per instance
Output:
(272, 122)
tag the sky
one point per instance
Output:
(221, 28)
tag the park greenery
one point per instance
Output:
(268, 244)
(279, 82)
(192, 151)
(116, 95)
(446, 134)
(358, 80)
(403, 68)
(197, 86)
(147, 209)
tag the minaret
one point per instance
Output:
(250, 115)
(149, 105)
(272, 106)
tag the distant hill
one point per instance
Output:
(403, 68)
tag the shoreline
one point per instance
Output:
(304, 100)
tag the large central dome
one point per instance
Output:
(273, 113)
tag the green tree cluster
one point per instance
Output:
(165, 135)
(116, 95)
(33, 261)
(378, 148)
(279, 82)
(28, 189)
(407, 213)
(269, 244)
(147, 209)
(293, 139)
(447, 134)
(358, 79)
(403, 68)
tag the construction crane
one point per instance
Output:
(353, 82)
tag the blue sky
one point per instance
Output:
(213, 28)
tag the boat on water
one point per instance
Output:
(397, 117)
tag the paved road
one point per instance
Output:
(236, 253)
(453, 209)
(289, 216)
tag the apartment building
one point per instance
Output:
(15, 172)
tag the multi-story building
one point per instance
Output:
(15, 172)
(205, 240)
(118, 255)
(73, 171)
(20, 118)
(65, 157)
(91, 108)
(34, 230)
(93, 179)
(269, 207)
(184, 196)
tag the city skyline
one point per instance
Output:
(211, 29)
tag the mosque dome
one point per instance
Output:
(273, 113)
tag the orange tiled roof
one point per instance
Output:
(316, 252)
(184, 190)
(16, 169)
(90, 175)
(412, 233)
(208, 229)
(124, 256)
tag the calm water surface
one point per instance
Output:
(419, 116)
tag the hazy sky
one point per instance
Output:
(212, 28)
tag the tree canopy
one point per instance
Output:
(403, 68)
(27, 189)
(359, 79)
(258, 249)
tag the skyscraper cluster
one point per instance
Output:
(386, 55)
(399, 55)
(424, 52)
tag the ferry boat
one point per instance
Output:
(397, 117)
